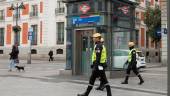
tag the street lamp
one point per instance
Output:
(17, 28)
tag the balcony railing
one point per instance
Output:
(34, 14)
(147, 3)
(59, 11)
(2, 18)
(137, 20)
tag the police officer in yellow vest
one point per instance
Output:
(132, 64)
(98, 59)
(101, 86)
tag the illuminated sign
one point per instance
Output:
(84, 8)
(124, 9)
(83, 20)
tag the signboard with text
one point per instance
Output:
(85, 20)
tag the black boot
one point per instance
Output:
(108, 90)
(101, 86)
(87, 91)
(141, 80)
(126, 80)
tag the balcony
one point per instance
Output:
(137, 23)
(59, 11)
(3, 0)
(137, 20)
(147, 3)
(2, 18)
(34, 14)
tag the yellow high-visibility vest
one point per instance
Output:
(103, 55)
(130, 55)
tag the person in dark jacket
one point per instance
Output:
(17, 53)
(132, 64)
(51, 58)
(13, 57)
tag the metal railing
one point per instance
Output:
(34, 14)
(59, 11)
(2, 18)
(137, 20)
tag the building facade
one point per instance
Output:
(46, 20)
(164, 31)
(143, 40)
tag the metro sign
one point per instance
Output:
(125, 9)
(84, 8)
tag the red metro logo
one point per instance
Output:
(84, 8)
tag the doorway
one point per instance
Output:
(83, 50)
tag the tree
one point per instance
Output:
(152, 19)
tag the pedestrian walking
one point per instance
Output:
(132, 64)
(50, 54)
(101, 86)
(98, 59)
(17, 53)
(13, 56)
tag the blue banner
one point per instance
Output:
(84, 20)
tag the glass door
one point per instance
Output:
(120, 50)
(87, 47)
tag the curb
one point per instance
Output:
(124, 88)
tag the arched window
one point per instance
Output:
(59, 51)
(1, 51)
(33, 51)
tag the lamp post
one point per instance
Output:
(17, 28)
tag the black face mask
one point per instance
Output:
(130, 48)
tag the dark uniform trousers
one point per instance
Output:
(98, 74)
(132, 67)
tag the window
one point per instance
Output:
(141, 0)
(121, 39)
(60, 32)
(137, 38)
(100, 3)
(120, 53)
(34, 34)
(142, 16)
(75, 8)
(60, 7)
(147, 3)
(147, 40)
(59, 51)
(33, 51)
(17, 38)
(92, 6)
(1, 36)
(2, 16)
(137, 18)
(34, 10)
